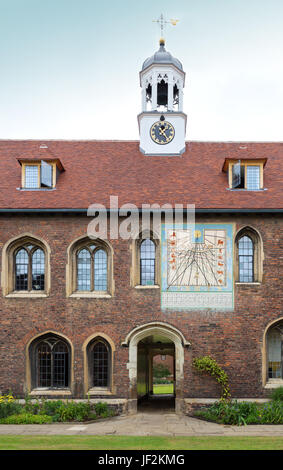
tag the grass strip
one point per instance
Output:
(58, 442)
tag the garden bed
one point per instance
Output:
(42, 411)
(242, 413)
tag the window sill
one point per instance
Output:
(247, 283)
(92, 295)
(154, 286)
(274, 383)
(46, 391)
(99, 391)
(244, 189)
(24, 295)
(36, 189)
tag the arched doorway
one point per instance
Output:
(143, 342)
(155, 382)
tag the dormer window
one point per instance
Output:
(245, 174)
(40, 174)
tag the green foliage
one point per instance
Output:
(71, 411)
(277, 394)
(102, 410)
(26, 418)
(50, 410)
(208, 365)
(239, 413)
(51, 407)
(7, 409)
(162, 381)
(159, 370)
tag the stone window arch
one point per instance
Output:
(26, 267)
(273, 355)
(90, 268)
(248, 256)
(50, 363)
(99, 361)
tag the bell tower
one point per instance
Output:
(162, 122)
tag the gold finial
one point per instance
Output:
(162, 23)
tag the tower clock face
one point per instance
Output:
(162, 132)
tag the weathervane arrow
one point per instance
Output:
(162, 23)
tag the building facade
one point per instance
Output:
(189, 262)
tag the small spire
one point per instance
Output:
(162, 42)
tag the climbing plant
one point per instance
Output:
(208, 365)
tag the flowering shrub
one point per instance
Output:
(7, 398)
(8, 406)
(209, 366)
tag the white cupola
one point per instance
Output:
(162, 123)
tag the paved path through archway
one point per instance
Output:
(144, 424)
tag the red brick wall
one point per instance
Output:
(234, 339)
(167, 362)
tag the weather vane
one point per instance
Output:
(162, 22)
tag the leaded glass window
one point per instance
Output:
(84, 268)
(52, 364)
(92, 269)
(29, 268)
(31, 176)
(38, 269)
(246, 259)
(274, 351)
(21, 270)
(253, 177)
(147, 262)
(100, 270)
(100, 360)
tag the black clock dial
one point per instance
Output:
(162, 132)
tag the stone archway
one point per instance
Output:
(173, 335)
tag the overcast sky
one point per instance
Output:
(70, 68)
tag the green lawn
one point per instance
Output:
(160, 389)
(139, 443)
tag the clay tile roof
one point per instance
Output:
(95, 170)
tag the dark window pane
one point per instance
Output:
(147, 262)
(21, 270)
(52, 364)
(100, 270)
(83, 270)
(38, 268)
(274, 340)
(60, 365)
(100, 365)
(44, 365)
